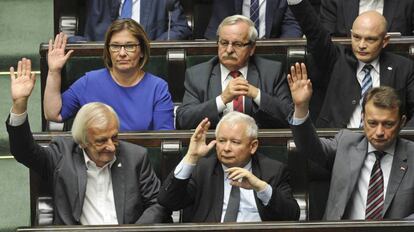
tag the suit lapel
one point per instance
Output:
(398, 170)
(386, 72)
(215, 82)
(350, 12)
(118, 186)
(145, 9)
(389, 9)
(238, 6)
(253, 79)
(218, 178)
(80, 166)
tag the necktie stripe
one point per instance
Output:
(366, 85)
(375, 195)
(238, 101)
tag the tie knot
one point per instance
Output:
(379, 154)
(235, 74)
(367, 68)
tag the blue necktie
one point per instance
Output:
(126, 12)
(366, 85)
(254, 13)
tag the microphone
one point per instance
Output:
(169, 5)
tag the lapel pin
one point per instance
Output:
(119, 165)
(402, 168)
(389, 68)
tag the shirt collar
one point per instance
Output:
(89, 162)
(390, 150)
(374, 63)
(225, 72)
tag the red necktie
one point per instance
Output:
(375, 197)
(238, 101)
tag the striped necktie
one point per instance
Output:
(375, 196)
(126, 12)
(254, 13)
(365, 86)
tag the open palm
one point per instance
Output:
(56, 57)
(22, 82)
(299, 84)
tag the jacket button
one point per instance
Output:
(354, 102)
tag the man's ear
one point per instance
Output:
(385, 40)
(403, 121)
(254, 144)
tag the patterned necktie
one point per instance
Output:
(126, 12)
(238, 101)
(375, 196)
(254, 13)
(232, 205)
(365, 86)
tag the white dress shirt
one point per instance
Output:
(356, 116)
(248, 211)
(262, 16)
(99, 204)
(136, 7)
(366, 5)
(225, 79)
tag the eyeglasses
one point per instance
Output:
(236, 45)
(103, 141)
(127, 47)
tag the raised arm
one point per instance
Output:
(22, 84)
(56, 59)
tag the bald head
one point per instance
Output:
(369, 36)
(371, 21)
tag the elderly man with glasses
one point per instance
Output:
(235, 80)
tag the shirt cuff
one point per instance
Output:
(17, 119)
(293, 2)
(257, 98)
(183, 170)
(298, 121)
(265, 195)
(220, 104)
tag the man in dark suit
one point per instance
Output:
(372, 172)
(278, 20)
(95, 178)
(236, 184)
(342, 71)
(153, 17)
(337, 16)
(213, 88)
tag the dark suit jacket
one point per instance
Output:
(202, 194)
(337, 67)
(62, 164)
(203, 84)
(337, 16)
(153, 18)
(279, 20)
(344, 157)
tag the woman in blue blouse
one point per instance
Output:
(141, 100)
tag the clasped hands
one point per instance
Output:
(238, 87)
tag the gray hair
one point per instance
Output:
(231, 20)
(94, 114)
(235, 117)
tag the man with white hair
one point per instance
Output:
(96, 179)
(235, 80)
(235, 184)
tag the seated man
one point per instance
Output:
(95, 178)
(236, 80)
(236, 184)
(272, 18)
(337, 16)
(372, 172)
(345, 74)
(152, 15)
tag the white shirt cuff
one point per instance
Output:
(293, 2)
(257, 98)
(17, 119)
(220, 104)
(265, 194)
(183, 170)
(298, 121)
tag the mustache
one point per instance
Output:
(228, 57)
